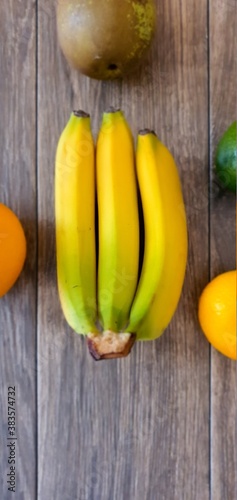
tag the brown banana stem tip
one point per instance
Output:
(110, 345)
(146, 131)
(81, 114)
(111, 109)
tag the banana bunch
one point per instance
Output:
(121, 234)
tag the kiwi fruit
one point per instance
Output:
(105, 39)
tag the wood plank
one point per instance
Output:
(223, 38)
(17, 190)
(136, 428)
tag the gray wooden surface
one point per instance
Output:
(159, 425)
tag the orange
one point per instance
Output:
(217, 313)
(12, 248)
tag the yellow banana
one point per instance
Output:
(153, 215)
(118, 221)
(170, 282)
(112, 305)
(75, 223)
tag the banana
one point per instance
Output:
(112, 305)
(154, 227)
(170, 275)
(75, 224)
(118, 221)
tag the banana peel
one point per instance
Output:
(105, 294)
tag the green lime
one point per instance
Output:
(225, 159)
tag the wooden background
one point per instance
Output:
(159, 425)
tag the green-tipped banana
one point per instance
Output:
(75, 224)
(118, 221)
(170, 282)
(112, 304)
(153, 214)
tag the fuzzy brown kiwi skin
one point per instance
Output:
(105, 42)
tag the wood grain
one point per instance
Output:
(160, 423)
(18, 191)
(223, 38)
(136, 428)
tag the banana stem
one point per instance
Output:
(81, 114)
(146, 131)
(110, 345)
